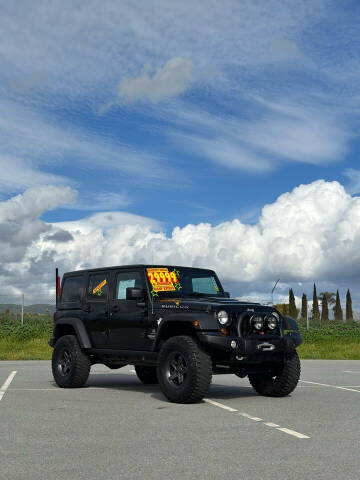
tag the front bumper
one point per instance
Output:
(250, 346)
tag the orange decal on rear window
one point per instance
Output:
(99, 287)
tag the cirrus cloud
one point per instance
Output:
(168, 81)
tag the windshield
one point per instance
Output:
(177, 282)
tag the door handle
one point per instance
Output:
(87, 308)
(115, 308)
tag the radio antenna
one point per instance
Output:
(273, 290)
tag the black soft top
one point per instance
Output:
(100, 269)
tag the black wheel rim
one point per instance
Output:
(64, 363)
(176, 369)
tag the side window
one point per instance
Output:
(205, 285)
(128, 279)
(72, 289)
(98, 287)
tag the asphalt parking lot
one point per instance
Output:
(117, 428)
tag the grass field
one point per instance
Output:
(338, 342)
(34, 349)
(29, 341)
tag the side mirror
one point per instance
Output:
(227, 294)
(134, 293)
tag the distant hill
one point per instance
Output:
(36, 308)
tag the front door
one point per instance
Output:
(127, 318)
(96, 308)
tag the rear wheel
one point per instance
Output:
(280, 382)
(70, 366)
(184, 370)
(146, 375)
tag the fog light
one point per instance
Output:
(271, 322)
(233, 344)
(257, 322)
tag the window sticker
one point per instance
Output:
(98, 289)
(215, 284)
(162, 280)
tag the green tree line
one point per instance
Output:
(328, 300)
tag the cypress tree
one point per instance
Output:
(324, 309)
(315, 310)
(304, 307)
(292, 305)
(349, 310)
(337, 309)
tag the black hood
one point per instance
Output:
(211, 304)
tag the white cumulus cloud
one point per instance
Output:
(21, 227)
(309, 234)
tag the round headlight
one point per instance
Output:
(271, 322)
(257, 323)
(223, 317)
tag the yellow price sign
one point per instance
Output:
(161, 279)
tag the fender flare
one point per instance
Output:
(172, 320)
(79, 328)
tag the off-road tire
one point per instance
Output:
(77, 368)
(146, 375)
(197, 370)
(281, 384)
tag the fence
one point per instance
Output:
(44, 303)
(32, 303)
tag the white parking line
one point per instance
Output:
(293, 433)
(331, 386)
(217, 404)
(6, 384)
(257, 419)
(351, 371)
(246, 415)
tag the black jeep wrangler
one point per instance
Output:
(177, 325)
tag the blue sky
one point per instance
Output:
(178, 113)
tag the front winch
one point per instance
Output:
(266, 347)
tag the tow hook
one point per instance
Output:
(266, 347)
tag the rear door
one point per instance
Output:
(127, 318)
(96, 308)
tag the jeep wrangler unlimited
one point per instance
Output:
(176, 325)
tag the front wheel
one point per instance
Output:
(70, 366)
(184, 370)
(281, 382)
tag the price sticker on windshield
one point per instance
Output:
(162, 280)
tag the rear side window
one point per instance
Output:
(98, 287)
(72, 289)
